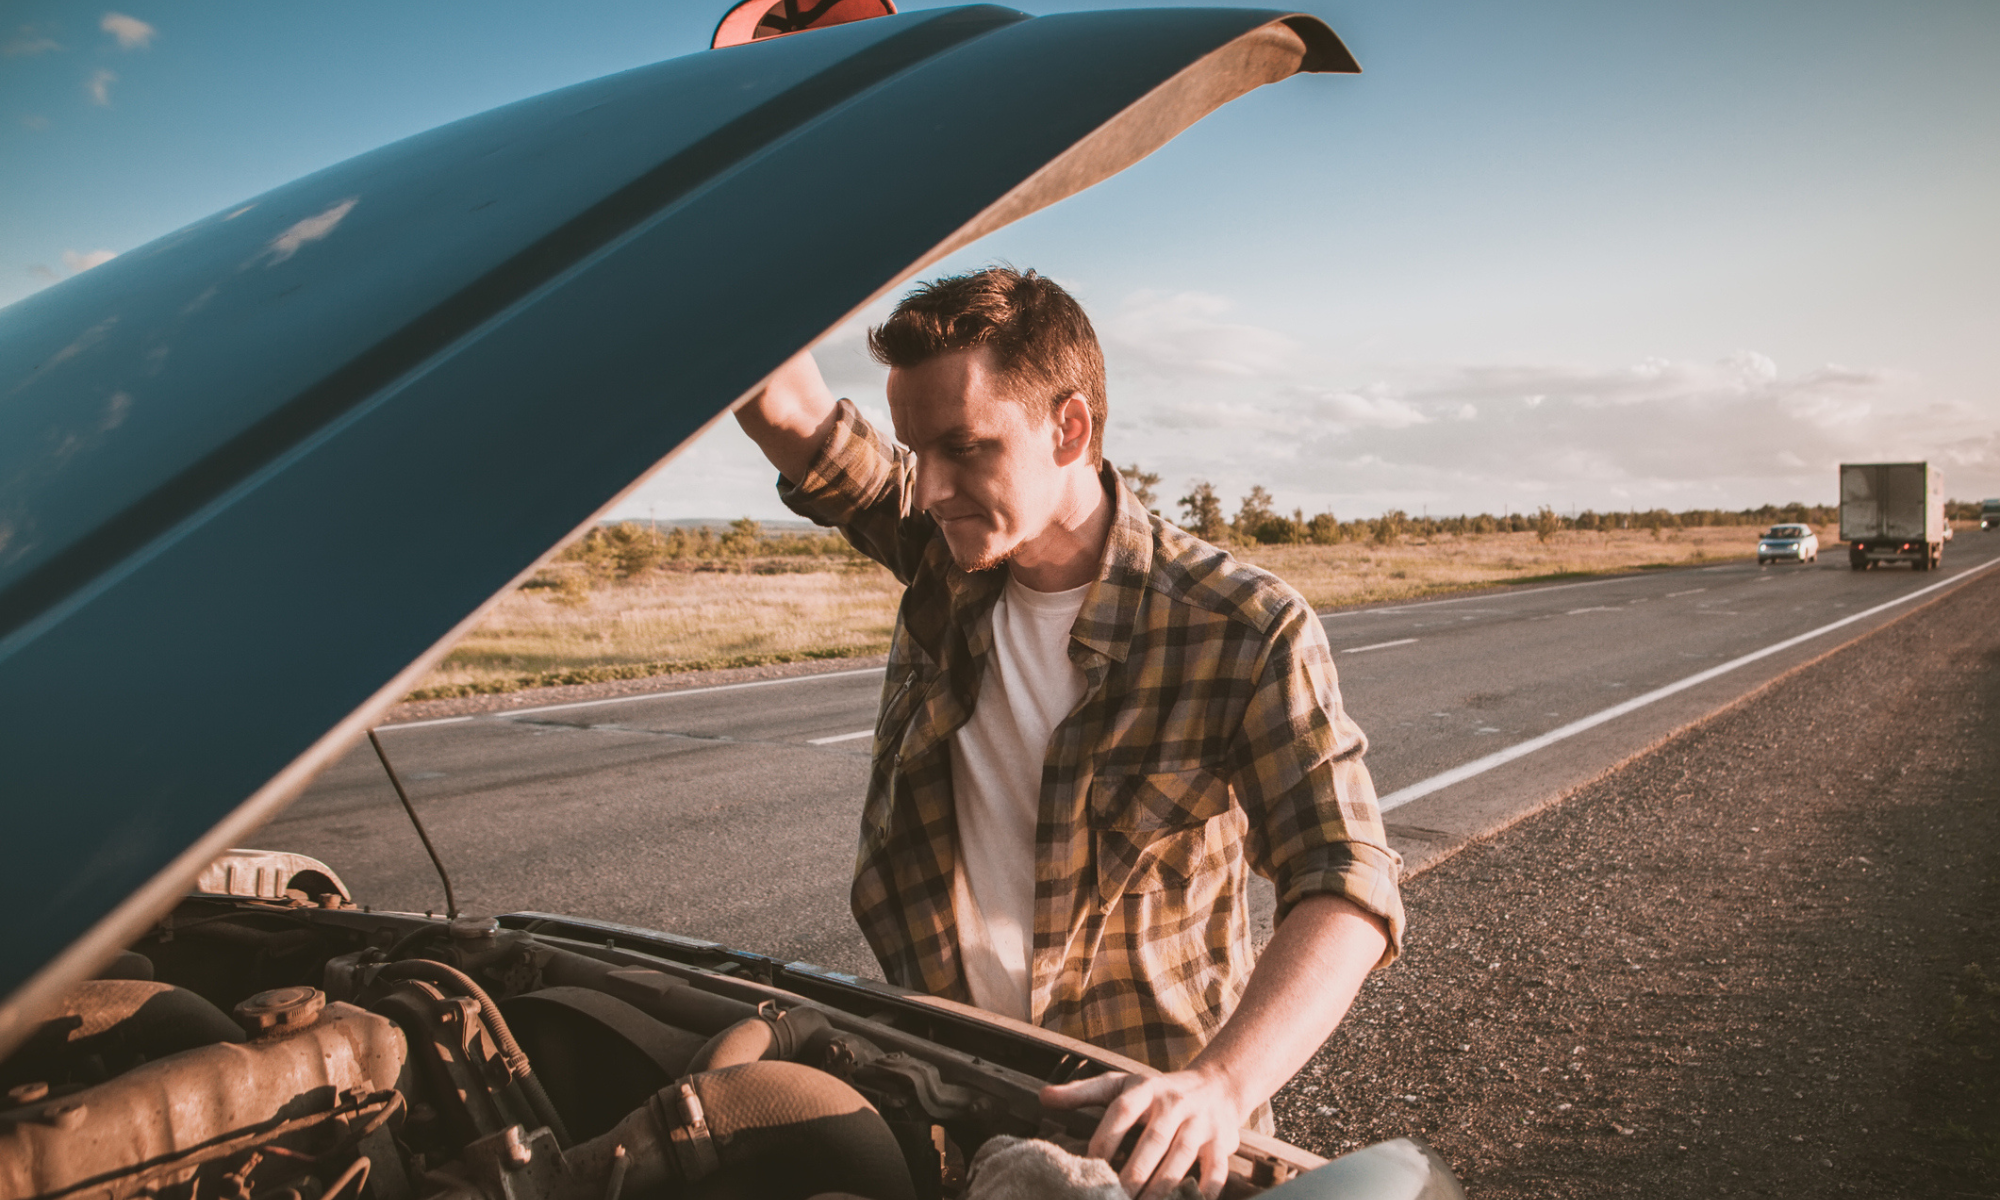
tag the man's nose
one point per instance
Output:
(933, 484)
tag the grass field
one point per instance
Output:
(1364, 573)
(572, 627)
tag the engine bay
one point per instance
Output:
(299, 1048)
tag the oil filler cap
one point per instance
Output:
(280, 1010)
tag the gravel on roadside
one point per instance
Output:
(1762, 960)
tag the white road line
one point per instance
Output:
(422, 724)
(1554, 587)
(1689, 592)
(1379, 646)
(839, 737)
(1599, 608)
(661, 695)
(1479, 766)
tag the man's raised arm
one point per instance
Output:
(791, 418)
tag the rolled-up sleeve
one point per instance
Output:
(1315, 827)
(860, 483)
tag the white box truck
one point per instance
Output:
(1892, 512)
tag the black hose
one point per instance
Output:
(786, 1130)
(784, 1036)
(138, 1016)
(409, 941)
(278, 943)
(517, 1059)
(773, 1130)
(655, 993)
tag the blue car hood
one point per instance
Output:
(228, 458)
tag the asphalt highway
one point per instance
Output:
(729, 812)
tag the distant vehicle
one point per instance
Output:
(1989, 514)
(1892, 512)
(1788, 543)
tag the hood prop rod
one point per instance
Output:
(450, 901)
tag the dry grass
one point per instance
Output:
(665, 621)
(1354, 573)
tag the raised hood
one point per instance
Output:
(257, 476)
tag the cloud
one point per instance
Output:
(1159, 335)
(131, 32)
(42, 271)
(1731, 432)
(1364, 409)
(1197, 392)
(99, 86)
(34, 122)
(79, 263)
(310, 230)
(1652, 380)
(27, 42)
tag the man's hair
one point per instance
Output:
(1042, 343)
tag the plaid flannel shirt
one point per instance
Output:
(1210, 741)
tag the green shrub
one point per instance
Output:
(1201, 511)
(1547, 524)
(1389, 527)
(632, 548)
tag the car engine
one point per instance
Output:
(298, 1048)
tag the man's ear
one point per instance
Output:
(1073, 429)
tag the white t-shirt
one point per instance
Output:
(1029, 686)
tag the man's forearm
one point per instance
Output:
(1301, 988)
(790, 419)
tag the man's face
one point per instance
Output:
(989, 467)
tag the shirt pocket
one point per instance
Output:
(1152, 832)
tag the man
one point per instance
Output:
(1093, 725)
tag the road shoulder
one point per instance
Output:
(1761, 959)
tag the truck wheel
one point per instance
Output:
(1856, 563)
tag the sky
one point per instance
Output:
(1579, 254)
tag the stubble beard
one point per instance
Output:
(984, 560)
(984, 563)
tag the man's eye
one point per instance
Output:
(962, 449)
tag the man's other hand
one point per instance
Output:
(1188, 1119)
(790, 418)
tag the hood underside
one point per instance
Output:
(257, 476)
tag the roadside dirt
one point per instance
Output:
(1763, 960)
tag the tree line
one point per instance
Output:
(631, 548)
(1257, 519)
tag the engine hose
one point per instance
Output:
(409, 941)
(517, 1059)
(785, 1035)
(655, 993)
(766, 1129)
(154, 1019)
